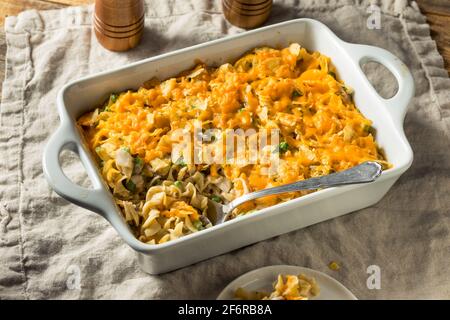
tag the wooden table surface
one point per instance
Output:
(436, 11)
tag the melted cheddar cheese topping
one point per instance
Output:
(291, 90)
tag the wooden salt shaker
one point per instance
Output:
(247, 14)
(119, 24)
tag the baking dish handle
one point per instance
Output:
(64, 139)
(398, 104)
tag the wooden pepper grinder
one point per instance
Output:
(247, 14)
(119, 24)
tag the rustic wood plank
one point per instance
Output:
(437, 13)
(70, 2)
(13, 7)
(440, 32)
(435, 7)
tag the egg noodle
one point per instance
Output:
(287, 287)
(289, 91)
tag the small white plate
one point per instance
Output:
(262, 280)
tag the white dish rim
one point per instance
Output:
(285, 269)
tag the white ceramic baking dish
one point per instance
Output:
(80, 96)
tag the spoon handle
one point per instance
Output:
(363, 173)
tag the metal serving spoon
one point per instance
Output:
(363, 173)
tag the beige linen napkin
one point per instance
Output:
(50, 248)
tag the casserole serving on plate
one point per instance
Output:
(77, 98)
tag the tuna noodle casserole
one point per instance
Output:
(290, 90)
(287, 287)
